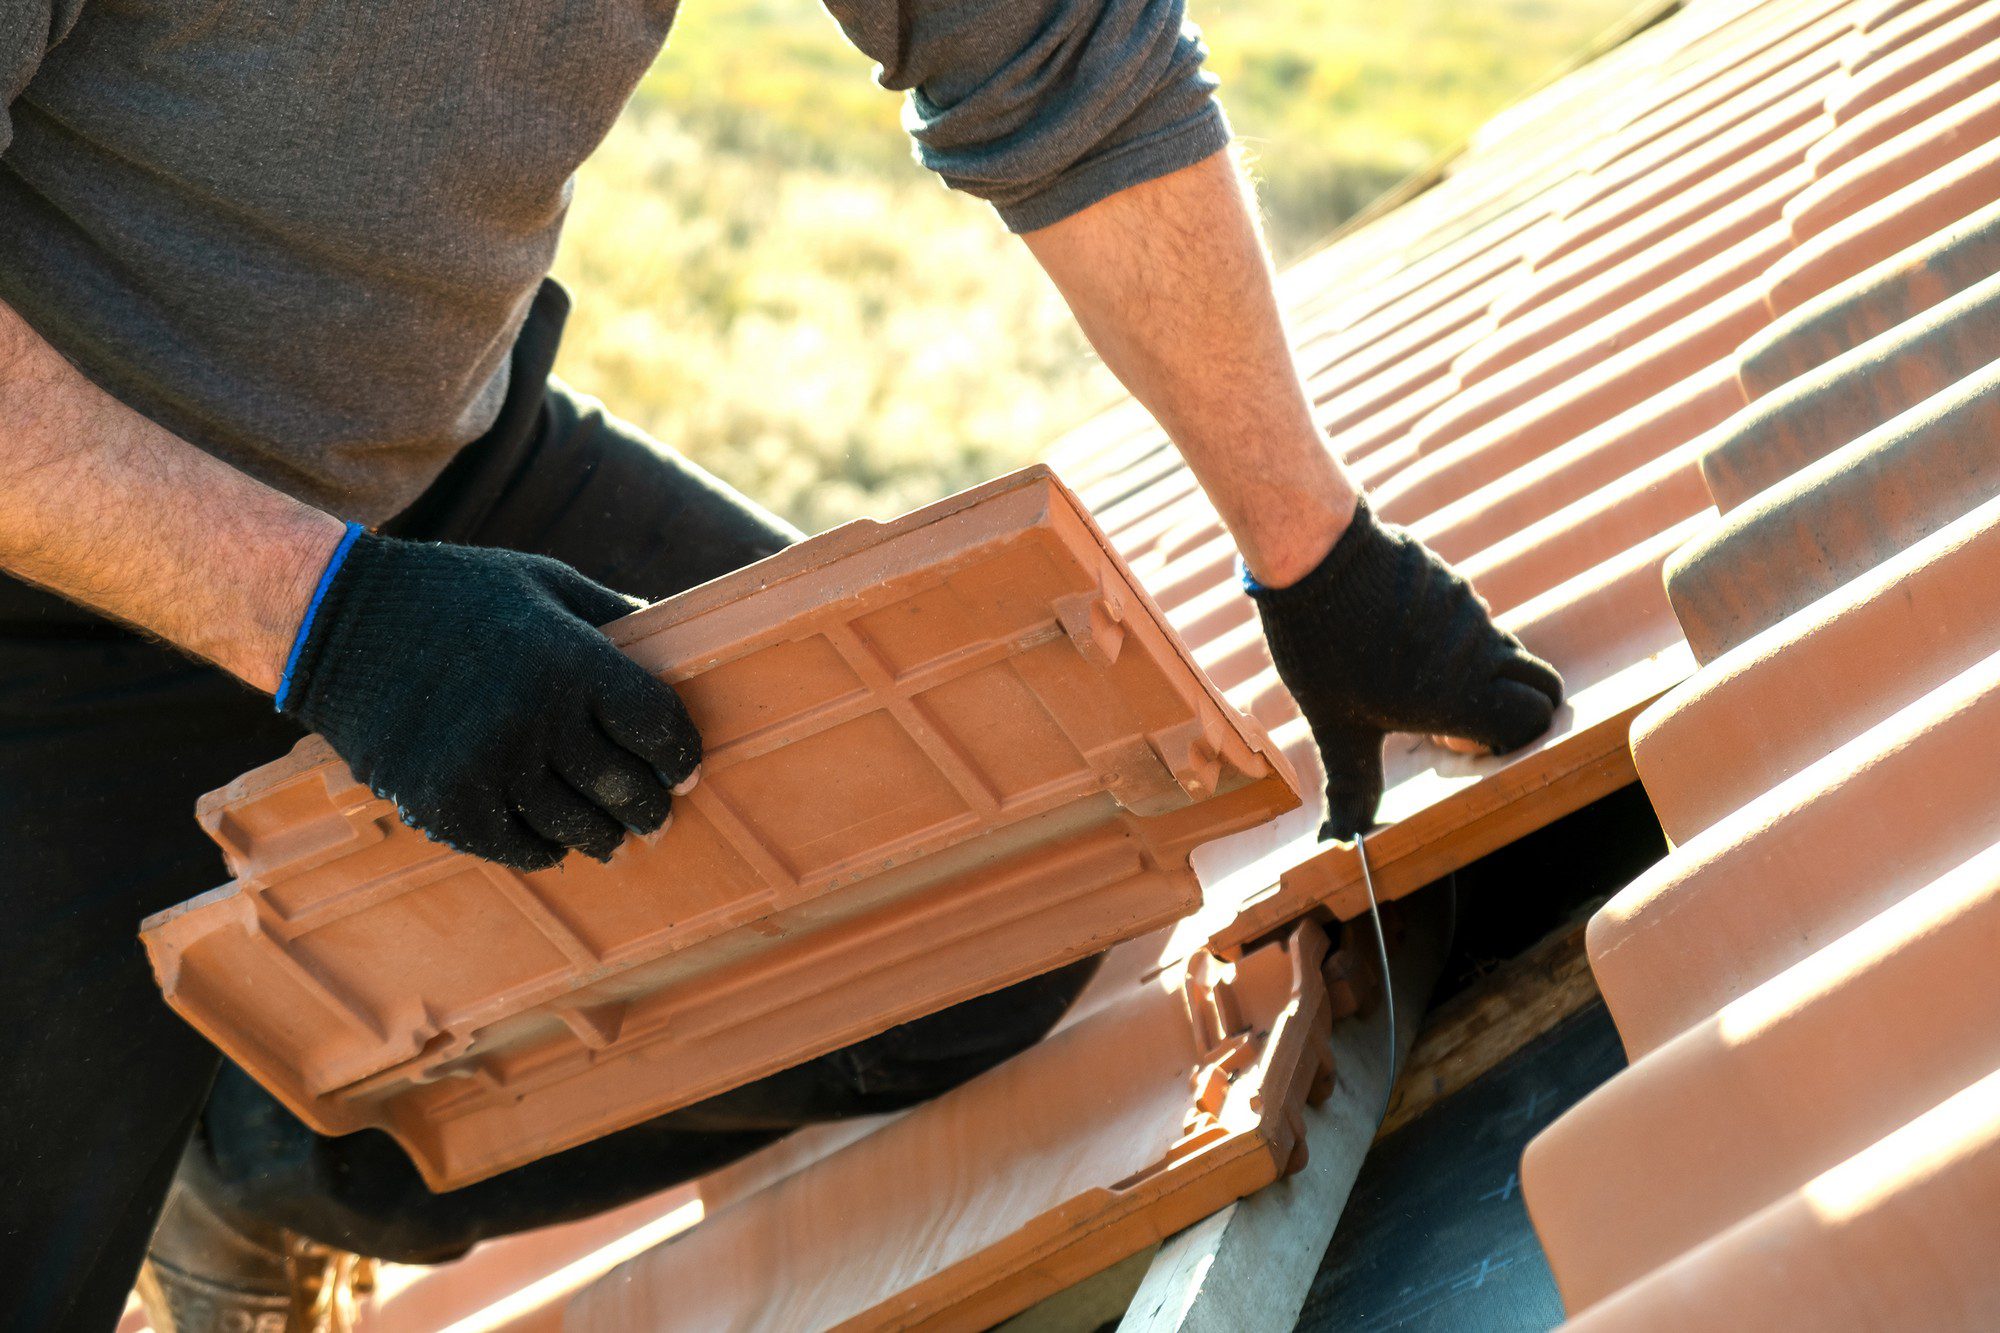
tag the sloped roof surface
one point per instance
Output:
(1809, 1135)
(1685, 361)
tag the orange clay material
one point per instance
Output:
(944, 754)
(1177, 1098)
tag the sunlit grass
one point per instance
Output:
(767, 282)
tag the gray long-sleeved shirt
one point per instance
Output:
(302, 234)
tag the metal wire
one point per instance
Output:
(1381, 952)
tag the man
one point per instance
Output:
(275, 326)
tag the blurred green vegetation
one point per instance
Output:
(767, 282)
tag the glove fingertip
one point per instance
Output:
(1520, 715)
(523, 851)
(1524, 668)
(1349, 810)
(591, 600)
(646, 717)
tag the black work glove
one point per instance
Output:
(471, 687)
(1383, 637)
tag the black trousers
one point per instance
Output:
(106, 739)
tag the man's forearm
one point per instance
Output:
(99, 504)
(1172, 284)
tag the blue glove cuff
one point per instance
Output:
(312, 611)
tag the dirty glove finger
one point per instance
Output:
(1352, 757)
(1530, 670)
(647, 718)
(513, 843)
(618, 783)
(552, 808)
(443, 674)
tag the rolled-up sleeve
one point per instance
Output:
(28, 29)
(1043, 107)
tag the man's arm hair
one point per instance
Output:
(101, 505)
(1171, 282)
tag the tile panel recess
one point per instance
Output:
(1180, 1096)
(1805, 1137)
(944, 754)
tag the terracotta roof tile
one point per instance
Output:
(1043, 760)
(1162, 1106)
(1804, 984)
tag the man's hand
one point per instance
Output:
(1384, 637)
(469, 686)
(1371, 632)
(472, 688)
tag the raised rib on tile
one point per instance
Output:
(1789, 1080)
(1219, 609)
(1616, 384)
(1804, 863)
(1351, 389)
(1913, 155)
(1778, 701)
(1839, 516)
(1137, 522)
(1627, 306)
(1582, 535)
(1917, 211)
(1103, 447)
(1644, 295)
(1872, 302)
(1340, 405)
(1388, 455)
(1194, 572)
(1771, 38)
(1760, 184)
(1852, 394)
(1381, 445)
(1900, 1236)
(1131, 1124)
(1234, 655)
(1528, 495)
(1422, 278)
(1338, 360)
(1867, 126)
(1902, 50)
(1777, 97)
(1734, 133)
(1143, 465)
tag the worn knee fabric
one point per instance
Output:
(105, 742)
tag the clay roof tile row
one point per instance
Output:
(1805, 1137)
(1681, 360)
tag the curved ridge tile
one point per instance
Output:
(1804, 863)
(1905, 1230)
(1777, 702)
(1840, 516)
(1872, 302)
(1852, 394)
(1910, 215)
(1786, 1081)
